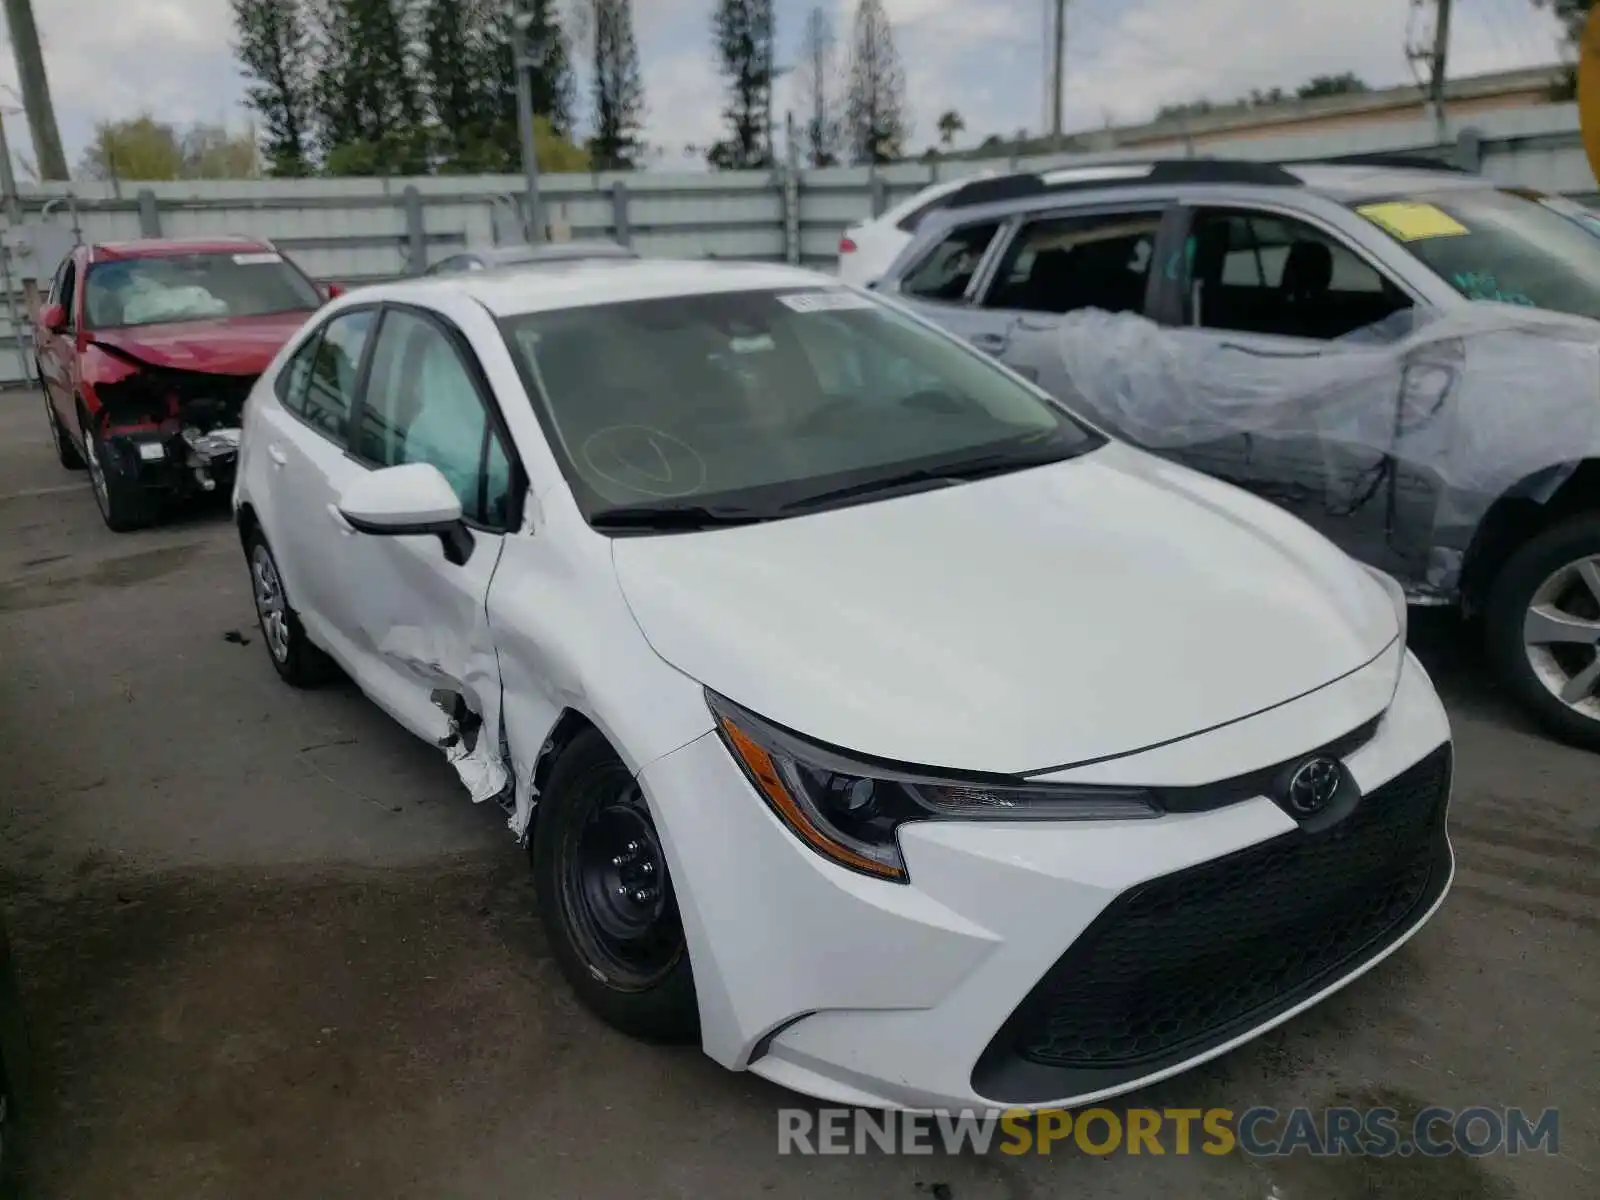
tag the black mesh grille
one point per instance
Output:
(1190, 959)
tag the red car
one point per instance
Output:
(147, 351)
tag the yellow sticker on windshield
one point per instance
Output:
(1411, 222)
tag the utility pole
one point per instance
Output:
(35, 90)
(520, 20)
(1439, 58)
(1058, 73)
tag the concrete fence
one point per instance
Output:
(356, 231)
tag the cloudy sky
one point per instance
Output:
(984, 58)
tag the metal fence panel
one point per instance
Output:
(361, 230)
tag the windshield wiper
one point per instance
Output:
(675, 516)
(962, 471)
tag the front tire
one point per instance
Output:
(298, 662)
(607, 900)
(1542, 629)
(122, 503)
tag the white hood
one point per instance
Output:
(1085, 609)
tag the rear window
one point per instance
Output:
(194, 287)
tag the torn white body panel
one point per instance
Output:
(567, 642)
(1394, 441)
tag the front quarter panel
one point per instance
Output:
(567, 641)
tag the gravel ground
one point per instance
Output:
(268, 948)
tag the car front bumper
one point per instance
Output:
(1045, 965)
(169, 460)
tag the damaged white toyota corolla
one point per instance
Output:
(873, 721)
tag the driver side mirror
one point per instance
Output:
(53, 318)
(409, 500)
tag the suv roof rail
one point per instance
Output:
(1415, 162)
(1172, 170)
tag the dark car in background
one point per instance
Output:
(491, 258)
(146, 352)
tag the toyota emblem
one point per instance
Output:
(1313, 786)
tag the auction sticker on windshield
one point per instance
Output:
(815, 302)
(250, 260)
(1412, 222)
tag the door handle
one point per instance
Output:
(278, 457)
(343, 525)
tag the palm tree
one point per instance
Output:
(950, 124)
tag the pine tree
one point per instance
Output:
(744, 32)
(618, 87)
(274, 51)
(453, 36)
(876, 125)
(818, 98)
(366, 96)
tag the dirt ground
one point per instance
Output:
(269, 949)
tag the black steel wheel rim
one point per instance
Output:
(619, 902)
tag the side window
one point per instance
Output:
(325, 400)
(947, 269)
(423, 405)
(295, 377)
(1253, 272)
(69, 285)
(1065, 263)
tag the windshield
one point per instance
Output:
(194, 287)
(757, 404)
(1492, 244)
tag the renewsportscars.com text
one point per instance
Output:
(1258, 1132)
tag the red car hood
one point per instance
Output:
(222, 346)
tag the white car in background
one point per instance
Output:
(875, 723)
(867, 248)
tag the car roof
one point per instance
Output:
(168, 247)
(1348, 181)
(551, 252)
(1360, 181)
(582, 282)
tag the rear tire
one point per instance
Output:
(594, 850)
(123, 505)
(1549, 574)
(297, 661)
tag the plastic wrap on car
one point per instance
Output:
(1463, 407)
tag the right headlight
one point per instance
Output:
(849, 810)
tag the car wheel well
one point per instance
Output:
(1516, 518)
(248, 524)
(568, 726)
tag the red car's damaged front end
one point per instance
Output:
(169, 398)
(148, 351)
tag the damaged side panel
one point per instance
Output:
(559, 654)
(1394, 441)
(483, 660)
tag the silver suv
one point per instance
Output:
(1294, 264)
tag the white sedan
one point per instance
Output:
(873, 722)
